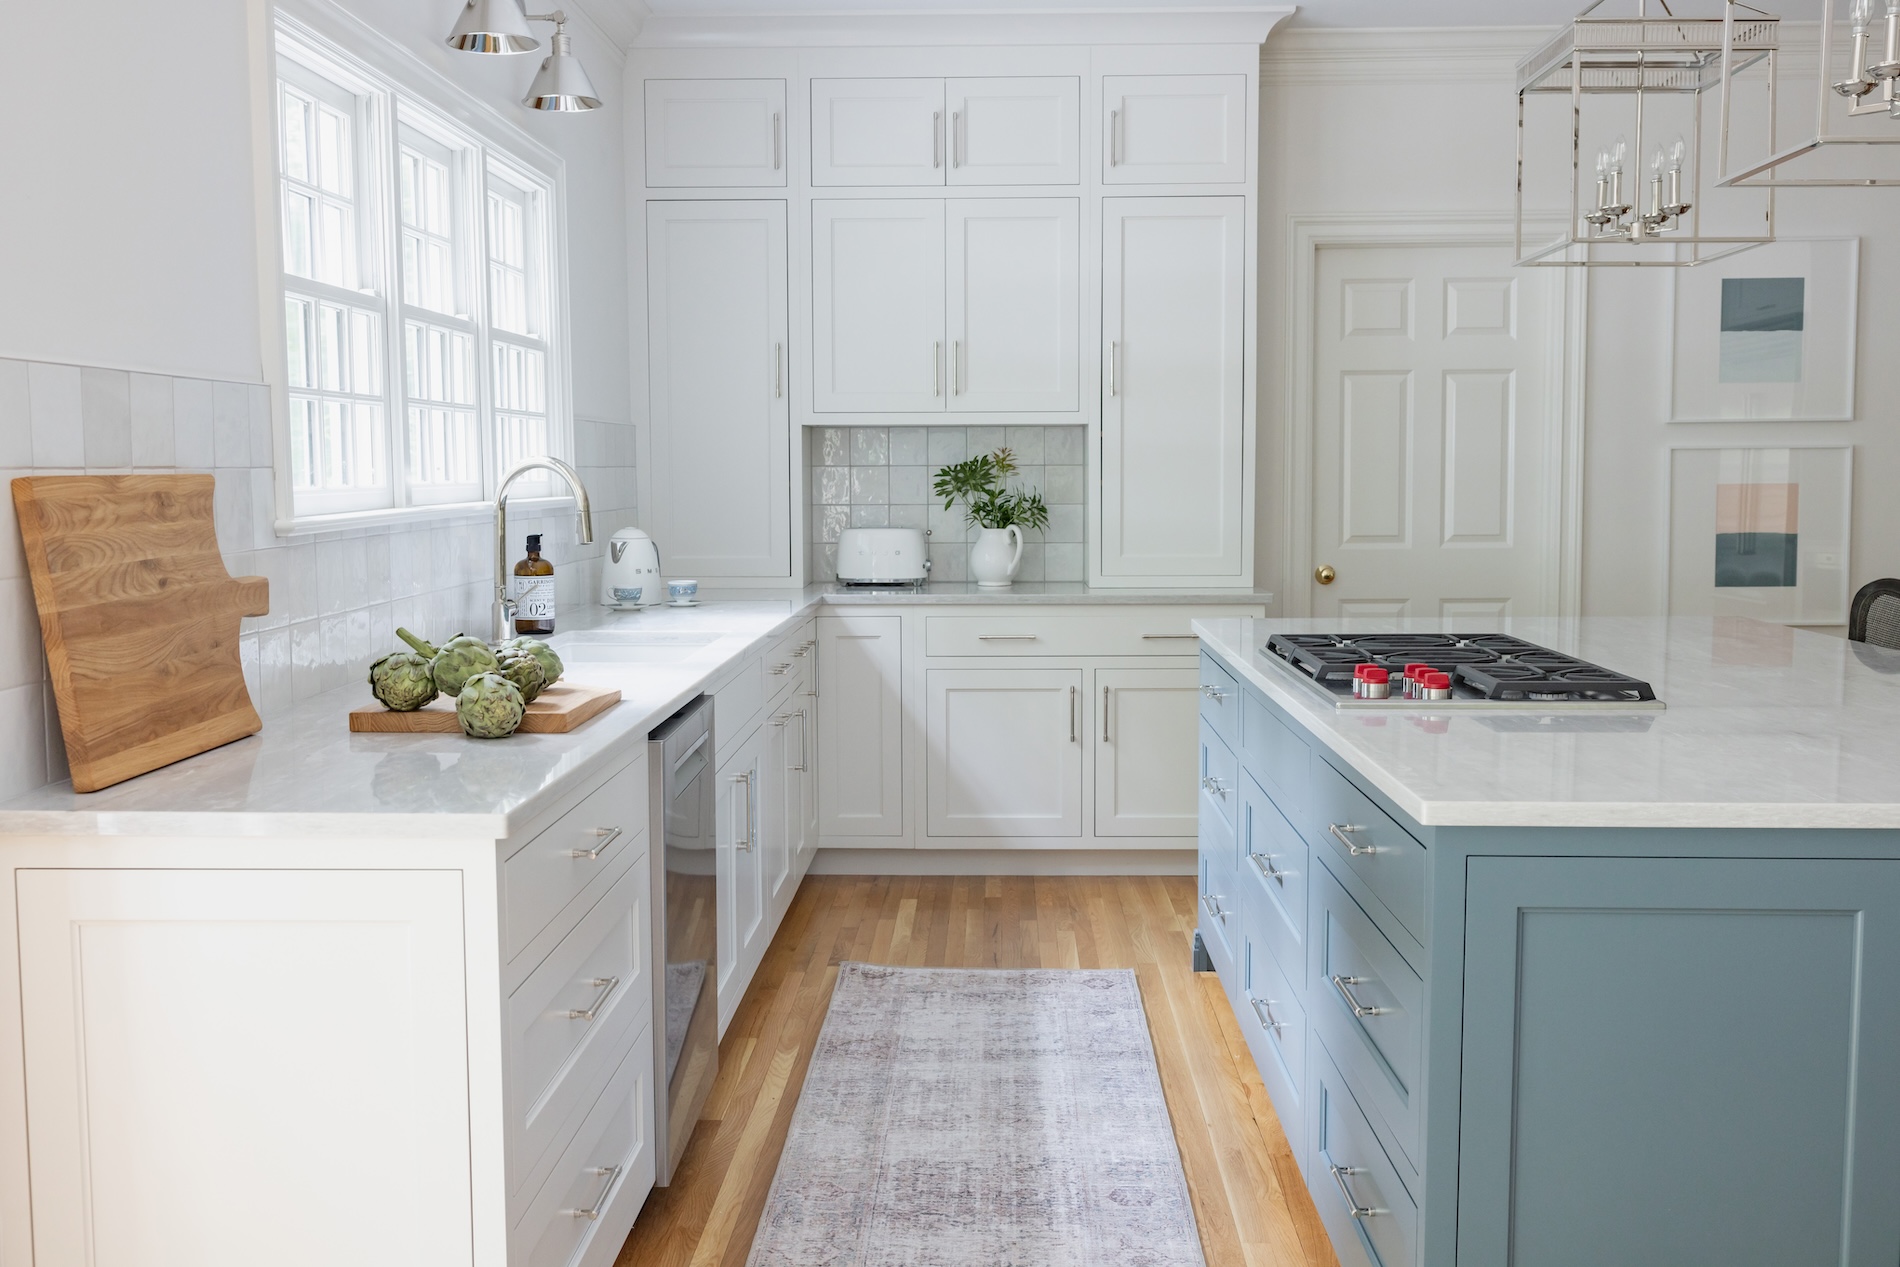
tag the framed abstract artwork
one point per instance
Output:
(1760, 532)
(1767, 335)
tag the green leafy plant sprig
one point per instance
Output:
(981, 485)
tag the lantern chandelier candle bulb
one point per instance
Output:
(501, 27)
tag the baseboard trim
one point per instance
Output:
(1003, 862)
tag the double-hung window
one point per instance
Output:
(420, 292)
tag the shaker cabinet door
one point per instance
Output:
(1003, 752)
(1014, 130)
(708, 133)
(1145, 727)
(877, 306)
(877, 132)
(1014, 304)
(1175, 129)
(718, 391)
(1672, 1060)
(1173, 317)
(860, 727)
(742, 811)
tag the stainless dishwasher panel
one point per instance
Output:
(686, 929)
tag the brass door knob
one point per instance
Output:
(1324, 574)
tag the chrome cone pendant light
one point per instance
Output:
(501, 26)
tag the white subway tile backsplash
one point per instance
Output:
(1064, 561)
(870, 485)
(910, 516)
(192, 419)
(1063, 485)
(59, 438)
(833, 447)
(828, 521)
(152, 425)
(1063, 446)
(945, 446)
(12, 554)
(977, 440)
(910, 485)
(231, 423)
(20, 660)
(870, 446)
(1065, 524)
(105, 410)
(910, 446)
(342, 580)
(23, 713)
(260, 425)
(263, 508)
(1025, 443)
(273, 660)
(16, 415)
(231, 505)
(870, 516)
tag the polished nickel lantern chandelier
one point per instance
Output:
(1610, 127)
(1833, 89)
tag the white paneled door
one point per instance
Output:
(1173, 413)
(1003, 752)
(1013, 303)
(877, 305)
(1145, 725)
(860, 727)
(719, 388)
(1435, 419)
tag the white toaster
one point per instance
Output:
(882, 556)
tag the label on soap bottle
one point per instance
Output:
(534, 597)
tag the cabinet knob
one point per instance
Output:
(1324, 574)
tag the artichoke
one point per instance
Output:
(489, 707)
(550, 662)
(519, 666)
(455, 661)
(402, 680)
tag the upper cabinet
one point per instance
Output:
(1013, 307)
(1174, 129)
(877, 296)
(1013, 130)
(709, 133)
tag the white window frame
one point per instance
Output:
(397, 94)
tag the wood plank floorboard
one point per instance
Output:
(1249, 1199)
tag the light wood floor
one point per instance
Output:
(1248, 1196)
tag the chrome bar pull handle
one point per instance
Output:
(606, 836)
(1113, 348)
(956, 138)
(1340, 831)
(1170, 637)
(1340, 1175)
(1213, 692)
(804, 744)
(606, 986)
(776, 162)
(742, 838)
(1114, 138)
(936, 368)
(1104, 714)
(956, 367)
(1006, 637)
(778, 371)
(612, 1174)
(1344, 986)
(1210, 902)
(1263, 1012)
(1214, 785)
(1263, 863)
(1073, 693)
(936, 139)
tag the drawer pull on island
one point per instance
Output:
(1353, 1207)
(1211, 903)
(612, 1174)
(1213, 692)
(606, 836)
(1263, 1011)
(1263, 863)
(1339, 831)
(1214, 785)
(606, 986)
(1344, 986)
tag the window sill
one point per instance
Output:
(348, 523)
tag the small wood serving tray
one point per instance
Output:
(560, 708)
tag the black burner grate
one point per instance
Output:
(1481, 666)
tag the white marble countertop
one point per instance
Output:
(1051, 593)
(306, 773)
(1764, 726)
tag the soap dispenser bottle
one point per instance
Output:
(534, 592)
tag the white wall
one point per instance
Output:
(1425, 122)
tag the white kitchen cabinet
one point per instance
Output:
(1174, 452)
(860, 728)
(1014, 130)
(742, 907)
(709, 133)
(717, 388)
(877, 132)
(778, 833)
(877, 303)
(1174, 129)
(1144, 732)
(210, 1053)
(1003, 752)
(1014, 304)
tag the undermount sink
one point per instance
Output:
(606, 647)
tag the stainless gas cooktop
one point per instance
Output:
(1485, 672)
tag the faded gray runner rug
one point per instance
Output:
(957, 1117)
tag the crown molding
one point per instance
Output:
(1326, 55)
(886, 29)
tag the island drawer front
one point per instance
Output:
(1220, 701)
(1346, 825)
(1219, 906)
(1274, 1024)
(1132, 632)
(1273, 880)
(545, 877)
(1378, 1051)
(1220, 777)
(570, 1022)
(609, 1163)
(1339, 1135)
(1277, 756)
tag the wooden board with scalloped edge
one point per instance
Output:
(139, 618)
(558, 709)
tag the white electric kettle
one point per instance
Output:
(630, 574)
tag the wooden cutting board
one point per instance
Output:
(559, 708)
(139, 618)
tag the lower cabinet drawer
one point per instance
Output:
(569, 1024)
(597, 1187)
(1369, 1215)
(1368, 1005)
(1275, 754)
(1219, 913)
(1155, 631)
(1344, 821)
(1274, 1024)
(1220, 776)
(541, 879)
(1272, 879)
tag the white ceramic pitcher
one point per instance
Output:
(992, 563)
